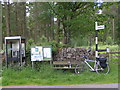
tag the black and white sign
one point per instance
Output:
(99, 27)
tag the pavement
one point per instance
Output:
(69, 86)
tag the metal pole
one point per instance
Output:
(96, 42)
(20, 52)
(96, 39)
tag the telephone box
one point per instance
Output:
(15, 48)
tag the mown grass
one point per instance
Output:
(48, 76)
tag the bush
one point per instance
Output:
(29, 43)
(43, 42)
(109, 41)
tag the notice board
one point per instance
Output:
(41, 53)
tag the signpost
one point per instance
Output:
(98, 28)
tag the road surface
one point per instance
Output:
(69, 86)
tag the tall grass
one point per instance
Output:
(46, 75)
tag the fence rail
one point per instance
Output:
(114, 55)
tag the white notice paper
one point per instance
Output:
(47, 52)
(36, 54)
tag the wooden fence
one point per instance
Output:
(114, 55)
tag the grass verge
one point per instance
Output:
(48, 76)
(44, 74)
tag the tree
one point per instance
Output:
(7, 6)
(40, 21)
(74, 25)
(68, 14)
(118, 30)
(0, 26)
(14, 19)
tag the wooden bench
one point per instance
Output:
(65, 64)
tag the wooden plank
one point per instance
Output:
(102, 50)
(115, 56)
(65, 67)
(60, 62)
(65, 62)
(114, 52)
(115, 59)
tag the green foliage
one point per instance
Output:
(42, 42)
(82, 41)
(29, 44)
(109, 41)
(76, 21)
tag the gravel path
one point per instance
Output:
(69, 86)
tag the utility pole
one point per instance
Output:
(1, 42)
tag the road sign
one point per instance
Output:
(100, 27)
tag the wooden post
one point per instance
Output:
(32, 64)
(113, 30)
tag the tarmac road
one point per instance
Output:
(70, 86)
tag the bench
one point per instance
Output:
(65, 64)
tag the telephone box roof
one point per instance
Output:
(14, 37)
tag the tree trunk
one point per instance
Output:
(68, 36)
(58, 30)
(16, 19)
(36, 24)
(52, 36)
(7, 7)
(24, 19)
(64, 31)
(1, 44)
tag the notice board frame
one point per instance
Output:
(49, 59)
